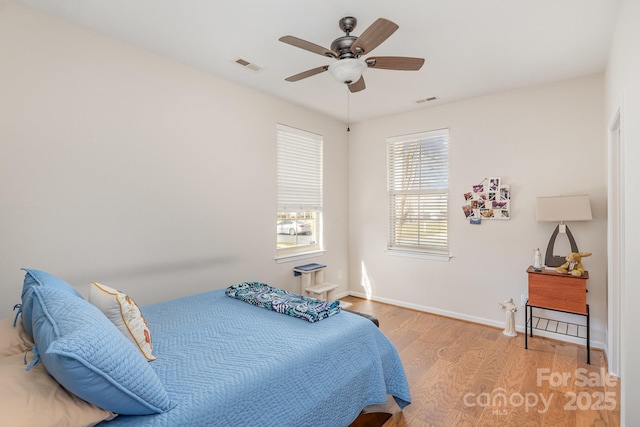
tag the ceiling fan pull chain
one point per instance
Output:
(348, 111)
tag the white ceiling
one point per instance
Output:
(472, 47)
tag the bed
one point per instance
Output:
(224, 362)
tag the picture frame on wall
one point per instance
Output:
(490, 199)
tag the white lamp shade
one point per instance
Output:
(563, 208)
(348, 70)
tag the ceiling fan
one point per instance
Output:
(348, 50)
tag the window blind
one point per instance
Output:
(299, 170)
(418, 190)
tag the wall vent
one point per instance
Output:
(421, 101)
(249, 65)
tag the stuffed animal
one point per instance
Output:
(573, 265)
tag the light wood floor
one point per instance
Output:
(464, 374)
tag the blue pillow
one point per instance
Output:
(89, 356)
(39, 278)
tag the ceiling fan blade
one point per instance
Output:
(395, 63)
(311, 47)
(357, 86)
(308, 73)
(377, 32)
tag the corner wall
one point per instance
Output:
(543, 140)
(622, 85)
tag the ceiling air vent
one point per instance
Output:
(421, 101)
(249, 65)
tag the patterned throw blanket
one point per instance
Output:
(281, 301)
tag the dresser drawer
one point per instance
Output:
(557, 291)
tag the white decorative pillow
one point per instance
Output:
(125, 314)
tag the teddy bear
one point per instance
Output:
(573, 265)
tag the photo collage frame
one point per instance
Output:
(491, 199)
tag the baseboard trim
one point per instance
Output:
(473, 319)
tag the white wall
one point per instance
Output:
(120, 166)
(544, 140)
(622, 85)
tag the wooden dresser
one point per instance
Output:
(557, 291)
(551, 290)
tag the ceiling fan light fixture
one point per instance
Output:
(348, 70)
(348, 67)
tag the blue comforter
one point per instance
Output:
(227, 363)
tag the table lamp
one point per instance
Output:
(561, 209)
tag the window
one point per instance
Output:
(299, 218)
(418, 191)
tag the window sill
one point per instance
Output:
(295, 257)
(416, 254)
